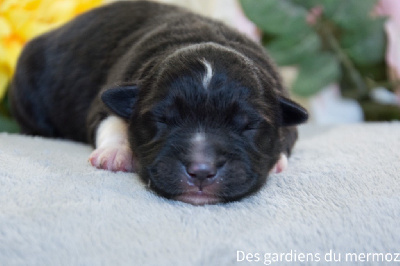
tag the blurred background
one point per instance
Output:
(340, 58)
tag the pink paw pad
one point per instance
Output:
(113, 158)
(281, 165)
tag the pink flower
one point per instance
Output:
(244, 25)
(314, 14)
(391, 9)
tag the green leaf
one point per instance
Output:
(276, 16)
(366, 45)
(347, 14)
(329, 6)
(352, 14)
(291, 49)
(316, 72)
(8, 125)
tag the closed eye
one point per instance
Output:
(246, 121)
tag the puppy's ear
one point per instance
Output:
(291, 113)
(121, 100)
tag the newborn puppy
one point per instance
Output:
(193, 106)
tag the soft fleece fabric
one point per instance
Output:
(340, 194)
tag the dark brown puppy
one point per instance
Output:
(196, 108)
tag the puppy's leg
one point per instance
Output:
(288, 136)
(281, 165)
(112, 147)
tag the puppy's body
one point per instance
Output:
(200, 105)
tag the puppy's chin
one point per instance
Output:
(198, 198)
(193, 195)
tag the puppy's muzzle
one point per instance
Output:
(202, 174)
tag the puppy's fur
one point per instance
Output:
(201, 107)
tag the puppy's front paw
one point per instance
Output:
(281, 165)
(113, 158)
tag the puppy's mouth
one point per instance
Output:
(198, 197)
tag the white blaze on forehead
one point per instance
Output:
(209, 72)
(112, 131)
(199, 138)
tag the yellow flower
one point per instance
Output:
(21, 20)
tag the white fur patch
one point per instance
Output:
(281, 165)
(198, 149)
(209, 73)
(112, 131)
(112, 147)
(199, 138)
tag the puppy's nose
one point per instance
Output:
(201, 174)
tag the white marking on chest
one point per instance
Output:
(209, 73)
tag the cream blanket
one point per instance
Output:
(339, 199)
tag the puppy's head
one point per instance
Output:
(204, 124)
